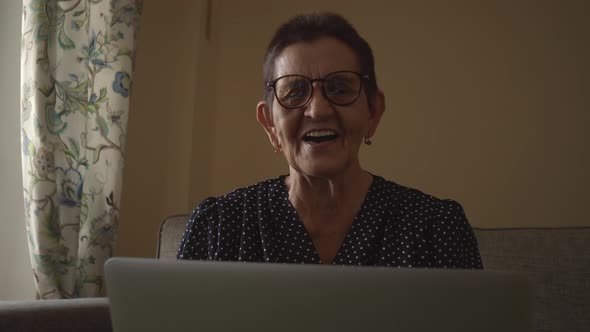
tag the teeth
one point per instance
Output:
(320, 133)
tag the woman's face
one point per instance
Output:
(341, 128)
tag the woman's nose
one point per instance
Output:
(318, 107)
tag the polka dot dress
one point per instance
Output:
(396, 226)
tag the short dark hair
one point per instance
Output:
(310, 27)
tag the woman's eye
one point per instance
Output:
(339, 87)
(294, 91)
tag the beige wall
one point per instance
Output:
(16, 278)
(157, 176)
(486, 104)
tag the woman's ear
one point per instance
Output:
(264, 118)
(377, 107)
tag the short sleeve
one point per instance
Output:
(454, 244)
(199, 238)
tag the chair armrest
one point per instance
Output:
(89, 314)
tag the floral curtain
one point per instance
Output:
(76, 65)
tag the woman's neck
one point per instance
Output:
(326, 196)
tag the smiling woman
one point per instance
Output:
(349, 121)
(321, 103)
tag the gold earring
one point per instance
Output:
(368, 141)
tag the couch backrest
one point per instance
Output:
(171, 230)
(556, 259)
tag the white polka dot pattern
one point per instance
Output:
(396, 226)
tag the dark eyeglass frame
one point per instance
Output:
(272, 84)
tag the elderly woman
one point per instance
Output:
(321, 104)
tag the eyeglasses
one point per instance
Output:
(339, 88)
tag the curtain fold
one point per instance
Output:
(76, 68)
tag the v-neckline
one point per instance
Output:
(297, 219)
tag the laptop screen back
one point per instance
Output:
(156, 295)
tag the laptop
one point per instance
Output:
(165, 295)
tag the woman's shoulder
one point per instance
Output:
(438, 226)
(239, 196)
(411, 200)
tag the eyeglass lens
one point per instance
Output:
(341, 88)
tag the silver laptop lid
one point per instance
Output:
(157, 295)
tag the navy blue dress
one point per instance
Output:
(396, 226)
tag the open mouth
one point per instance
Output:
(320, 136)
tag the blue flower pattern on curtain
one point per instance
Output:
(76, 64)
